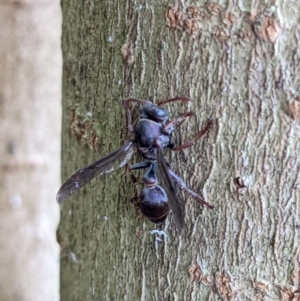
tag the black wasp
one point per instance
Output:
(150, 136)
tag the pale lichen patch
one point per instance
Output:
(266, 27)
(294, 109)
(223, 282)
(192, 26)
(196, 20)
(288, 293)
(195, 12)
(188, 19)
(220, 34)
(229, 19)
(195, 273)
(175, 17)
(83, 130)
(127, 53)
(225, 286)
(214, 8)
(260, 287)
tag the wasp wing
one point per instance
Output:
(176, 203)
(112, 161)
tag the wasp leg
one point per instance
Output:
(168, 127)
(135, 182)
(183, 186)
(178, 98)
(125, 104)
(192, 142)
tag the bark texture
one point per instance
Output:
(240, 64)
(30, 113)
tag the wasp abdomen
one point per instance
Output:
(154, 203)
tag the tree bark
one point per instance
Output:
(240, 65)
(30, 114)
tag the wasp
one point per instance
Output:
(150, 135)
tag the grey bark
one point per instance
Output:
(30, 113)
(240, 65)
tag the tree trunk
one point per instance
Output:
(240, 65)
(30, 113)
